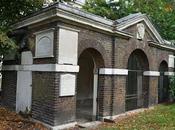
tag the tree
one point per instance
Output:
(161, 12)
(10, 12)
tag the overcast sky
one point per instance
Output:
(82, 1)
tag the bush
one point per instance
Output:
(172, 88)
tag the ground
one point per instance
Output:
(11, 121)
(162, 117)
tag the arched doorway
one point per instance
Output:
(137, 84)
(87, 84)
(163, 87)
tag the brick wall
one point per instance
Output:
(47, 106)
(43, 91)
(9, 84)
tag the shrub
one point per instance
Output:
(172, 88)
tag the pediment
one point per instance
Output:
(139, 25)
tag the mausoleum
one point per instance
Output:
(75, 66)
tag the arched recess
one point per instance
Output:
(96, 45)
(163, 87)
(87, 85)
(137, 88)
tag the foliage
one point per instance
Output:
(172, 87)
(6, 44)
(10, 12)
(161, 12)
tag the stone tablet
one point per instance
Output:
(68, 46)
(44, 43)
(67, 85)
(171, 61)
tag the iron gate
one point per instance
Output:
(134, 90)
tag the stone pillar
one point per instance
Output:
(24, 84)
(115, 104)
(54, 84)
(153, 86)
(119, 94)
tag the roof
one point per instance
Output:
(129, 17)
(68, 12)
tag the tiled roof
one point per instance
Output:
(129, 17)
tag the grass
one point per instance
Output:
(162, 117)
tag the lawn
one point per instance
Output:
(162, 117)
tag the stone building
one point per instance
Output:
(77, 66)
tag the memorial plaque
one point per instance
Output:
(44, 44)
(171, 61)
(67, 85)
(68, 46)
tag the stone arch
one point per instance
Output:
(85, 44)
(127, 56)
(163, 85)
(163, 59)
(87, 84)
(137, 88)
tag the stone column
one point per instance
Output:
(153, 86)
(116, 106)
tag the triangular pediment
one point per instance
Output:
(135, 19)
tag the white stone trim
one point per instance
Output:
(42, 67)
(151, 73)
(111, 71)
(169, 73)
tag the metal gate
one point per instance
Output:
(1, 61)
(134, 90)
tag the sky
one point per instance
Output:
(82, 1)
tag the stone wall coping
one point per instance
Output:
(161, 46)
(42, 67)
(113, 71)
(151, 73)
(169, 73)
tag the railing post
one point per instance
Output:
(1, 61)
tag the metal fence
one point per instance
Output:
(1, 61)
(137, 90)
